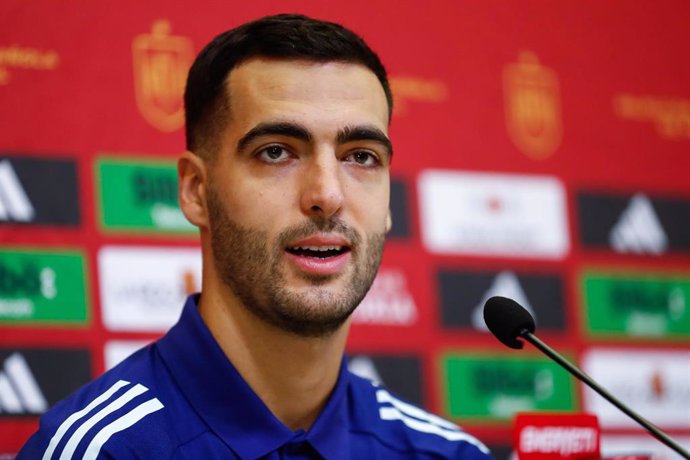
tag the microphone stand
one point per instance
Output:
(647, 425)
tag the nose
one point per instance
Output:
(322, 193)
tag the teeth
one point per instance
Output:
(319, 248)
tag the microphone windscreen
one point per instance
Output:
(506, 319)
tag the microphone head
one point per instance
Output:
(506, 319)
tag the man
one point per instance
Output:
(287, 178)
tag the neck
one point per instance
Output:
(292, 375)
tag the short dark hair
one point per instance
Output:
(283, 36)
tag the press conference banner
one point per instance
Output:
(542, 153)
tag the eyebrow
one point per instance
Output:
(297, 131)
(274, 129)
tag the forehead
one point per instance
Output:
(322, 93)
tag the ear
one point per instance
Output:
(191, 175)
(389, 221)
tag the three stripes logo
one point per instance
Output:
(115, 410)
(19, 391)
(638, 230)
(14, 204)
(636, 223)
(393, 409)
(38, 191)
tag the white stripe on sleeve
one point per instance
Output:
(80, 432)
(69, 421)
(124, 422)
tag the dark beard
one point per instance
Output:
(249, 266)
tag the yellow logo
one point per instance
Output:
(20, 57)
(670, 116)
(407, 89)
(532, 106)
(161, 63)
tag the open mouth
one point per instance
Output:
(318, 252)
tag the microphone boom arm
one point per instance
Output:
(647, 425)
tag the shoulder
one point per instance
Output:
(385, 422)
(129, 407)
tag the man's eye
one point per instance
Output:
(364, 158)
(273, 153)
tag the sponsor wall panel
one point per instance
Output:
(637, 304)
(641, 445)
(653, 382)
(491, 214)
(38, 191)
(491, 387)
(464, 293)
(634, 224)
(31, 381)
(43, 287)
(525, 160)
(144, 288)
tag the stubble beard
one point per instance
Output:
(252, 267)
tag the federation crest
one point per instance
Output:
(161, 62)
(532, 106)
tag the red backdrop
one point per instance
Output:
(542, 150)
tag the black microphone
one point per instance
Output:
(508, 321)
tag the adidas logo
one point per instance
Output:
(19, 392)
(14, 204)
(506, 284)
(393, 409)
(638, 230)
(85, 419)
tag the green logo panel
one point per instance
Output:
(635, 305)
(42, 287)
(140, 196)
(489, 387)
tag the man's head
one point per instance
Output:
(293, 197)
(283, 36)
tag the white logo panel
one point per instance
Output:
(493, 214)
(653, 383)
(144, 288)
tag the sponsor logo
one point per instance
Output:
(638, 229)
(400, 374)
(637, 305)
(161, 62)
(14, 204)
(415, 89)
(38, 191)
(19, 392)
(463, 295)
(25, 58)
(140, 196)
(486, 387)
(144, 288)
(532, 106)
(399, 210)
(493, 214)
(651, 382)
(32, 380)
(670, 116)
(117, 351)
(388, 301)
(634, 224)
(42, 287)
